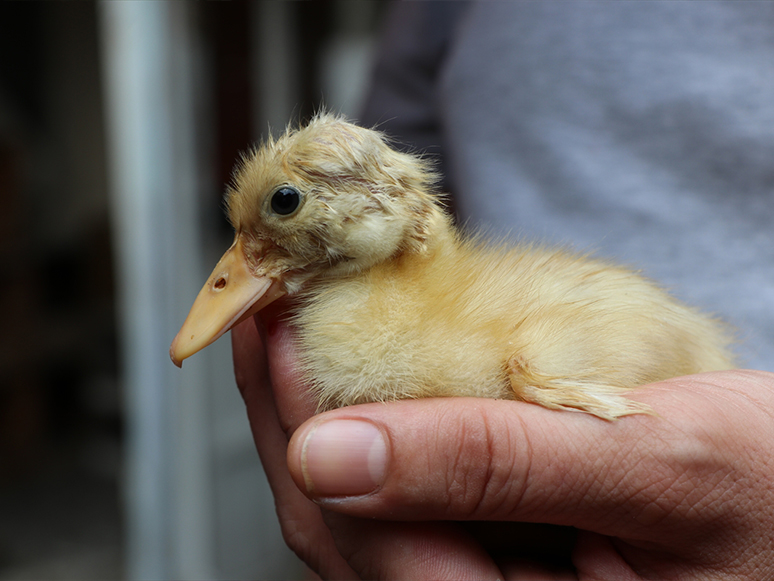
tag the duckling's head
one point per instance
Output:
(326, 200)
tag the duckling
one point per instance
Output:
(392, 301)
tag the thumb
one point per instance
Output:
(477, 459)
(460, 459)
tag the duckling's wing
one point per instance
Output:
(573, 394)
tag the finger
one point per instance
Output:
(501, 460)
(301, 520)
(399, 550)
(295, 402)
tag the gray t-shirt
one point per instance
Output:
(643, 131)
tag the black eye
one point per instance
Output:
(285, 200)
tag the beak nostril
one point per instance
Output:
(220, 284)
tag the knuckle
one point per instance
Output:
(485, 475)
(296, 537)
(301, 536)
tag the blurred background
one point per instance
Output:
(119, 126)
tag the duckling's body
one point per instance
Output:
(525, 322)
(408, 307)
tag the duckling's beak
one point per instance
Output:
(232, 294)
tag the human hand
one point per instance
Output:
(684, 495)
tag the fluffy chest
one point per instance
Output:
(380, 338)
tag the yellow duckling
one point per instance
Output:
(393, 302)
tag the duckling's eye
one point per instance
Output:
(285, 200)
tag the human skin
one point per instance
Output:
(387, 491)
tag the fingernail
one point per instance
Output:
(344, 458)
